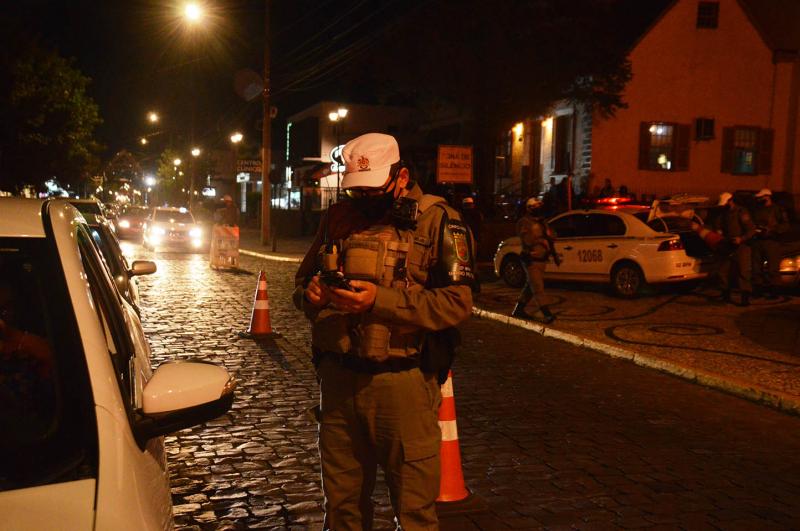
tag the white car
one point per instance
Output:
(82, 415)
(617, 246)
(170, 228)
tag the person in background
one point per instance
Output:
(737, 228)
(771, 221)
(607, 190)
(228, 214)
(537, 246)
(471, 216)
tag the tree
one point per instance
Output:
(47, 120)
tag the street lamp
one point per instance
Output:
(143, 141)
(196, 152)
(177, 162)
(153, 117)
(237, 137)
(336, 117)
(193, 12)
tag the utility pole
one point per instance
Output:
(266, 137)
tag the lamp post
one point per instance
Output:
(337, 117)
(236, 139)
(196, 151)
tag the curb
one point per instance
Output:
(749, 391)
(272, 257)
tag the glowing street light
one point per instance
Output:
(196, 152)
(193, 12)
(153, 117)
(177, 162)
(143, 141)
(237, 137)
(150, 181)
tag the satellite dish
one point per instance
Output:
(248, 84)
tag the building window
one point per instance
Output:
(747, 150)
(708, 15)
(663, 146)
(704, 129)
(562, 144)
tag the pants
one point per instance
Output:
(769, 250)
(388, 419)
(534, 287)
(742, 256)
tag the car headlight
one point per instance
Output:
(159, 231)
(124, 224)
(195, 232)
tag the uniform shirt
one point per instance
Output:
(532, 232)
(413, 307)
(736, 222)
(773, 218)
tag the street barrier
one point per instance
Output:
(224, 253)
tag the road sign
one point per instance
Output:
(248, 165)
(454, 164)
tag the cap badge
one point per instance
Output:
(363, 163)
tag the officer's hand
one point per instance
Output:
(358, 301)
(317, 294)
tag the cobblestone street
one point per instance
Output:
(552, 436)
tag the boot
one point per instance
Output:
(548, 315)
(520, 313)
(745, 298)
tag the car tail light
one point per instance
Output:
(671, 245)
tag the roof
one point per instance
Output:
(21, 218)
(778, 22)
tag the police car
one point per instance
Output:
(82, 415)
(621, 245)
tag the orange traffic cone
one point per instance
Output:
(260, 326)
(453, 494)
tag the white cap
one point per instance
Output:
(367, 160)
(724, 197)
(764, 192)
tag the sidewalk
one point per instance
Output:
(752, 352)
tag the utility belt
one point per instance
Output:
(365, 365)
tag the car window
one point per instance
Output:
(606, 225)
(109, 311)
(109, 252)
(570, 226)
(174, 216)
(48, 431)
(88, 208)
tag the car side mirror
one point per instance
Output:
(182, 394)
(142, 267)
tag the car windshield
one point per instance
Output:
(136, 212)
(88, 208)
(174, 216)
(46, 412)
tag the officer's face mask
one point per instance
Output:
(374, 203)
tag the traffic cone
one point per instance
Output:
(454, 497)
(260, 326)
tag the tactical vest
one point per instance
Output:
(389, 257)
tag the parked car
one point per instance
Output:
(91, 207)
(172, 228)
(82, 414)
(124, 275)
(615, 245)
(130, 222)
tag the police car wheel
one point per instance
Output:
(512, 271)
(627, 280)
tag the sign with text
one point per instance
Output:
(454, 164)
(248, 165)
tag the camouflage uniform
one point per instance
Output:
(736, 222)
(532, 232)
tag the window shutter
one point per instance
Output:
(727, 150)
(766, 138)
(644, 145)
(682, 134)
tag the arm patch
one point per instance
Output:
(455, 265)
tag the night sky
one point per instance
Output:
(140, 56)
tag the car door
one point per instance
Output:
(568, 229)
(143, 500)
(599, 249)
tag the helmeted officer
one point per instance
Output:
(537, 246)
(771, 221)
(396, 266)
(737, 227)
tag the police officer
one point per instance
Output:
(771, 221)
(537, 246)
(396, 266)
(737, 227)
